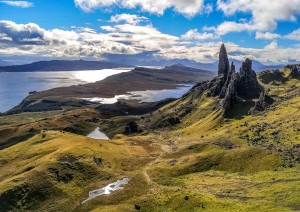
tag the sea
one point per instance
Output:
(15, 86)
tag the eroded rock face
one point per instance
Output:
(295, 71)
(232, 87)
(248, 86)
(230, 74)
(132, 128)
(262, 103)
(223, 67)
(231, 94)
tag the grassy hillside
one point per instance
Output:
(188, 158)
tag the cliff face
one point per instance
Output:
(248, 86)
(295, 71)
(223, 67)
(230, 87)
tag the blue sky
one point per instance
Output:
(268, 31)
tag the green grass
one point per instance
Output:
(204, 163)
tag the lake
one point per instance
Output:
(15, 86)
(146, 96)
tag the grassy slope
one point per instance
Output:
(242, 164)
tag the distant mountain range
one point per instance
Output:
(62, 65)
(75, 65)
(257, 66)
(5, 63)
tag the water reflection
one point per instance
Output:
(145, 96)
(15, 86)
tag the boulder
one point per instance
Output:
(132, 128)
(263, 102)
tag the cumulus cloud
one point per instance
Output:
(22, 33)
(128, 18)
(272, 45)
(128, 38)
(295, 35)
(267, 36)
(4, 37)
(23, 4)
(108, 28)
(188, 8)
(193, 34)
(81, 41)
(265, 14)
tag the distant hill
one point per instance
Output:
(257, 66)
(5, 63)
(139, 79)
(61, 65)
(73, 65)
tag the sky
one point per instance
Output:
(264, 30)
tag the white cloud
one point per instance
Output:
(272, 45)
(267, 36)
(128, 18)
(23, 4)
(230, 26)
(193, 34)
(128, 39)
(188, 8)
(210, 29)
(295, 35)
(108, 28)
(265, 14)
(208, 8)
(4, 37)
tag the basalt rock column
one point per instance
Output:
(248, 86)
(223, 67)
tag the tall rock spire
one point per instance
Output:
(223, 62)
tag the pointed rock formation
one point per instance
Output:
(231, 94)
(231, 87)
(248, 86)
(228, 80)
(295, 71)
(223, 67)
(216, 86)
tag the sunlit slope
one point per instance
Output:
(188, 158)
(55, 171)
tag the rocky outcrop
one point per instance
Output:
(228, 80)
(223, 67)
(248, 86)
(132, 128)
(262, 103)
(219, 84)
(295, 71)
(231, 94)
(232, 87)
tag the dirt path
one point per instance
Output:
(165, 149)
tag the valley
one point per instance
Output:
(231, 143)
